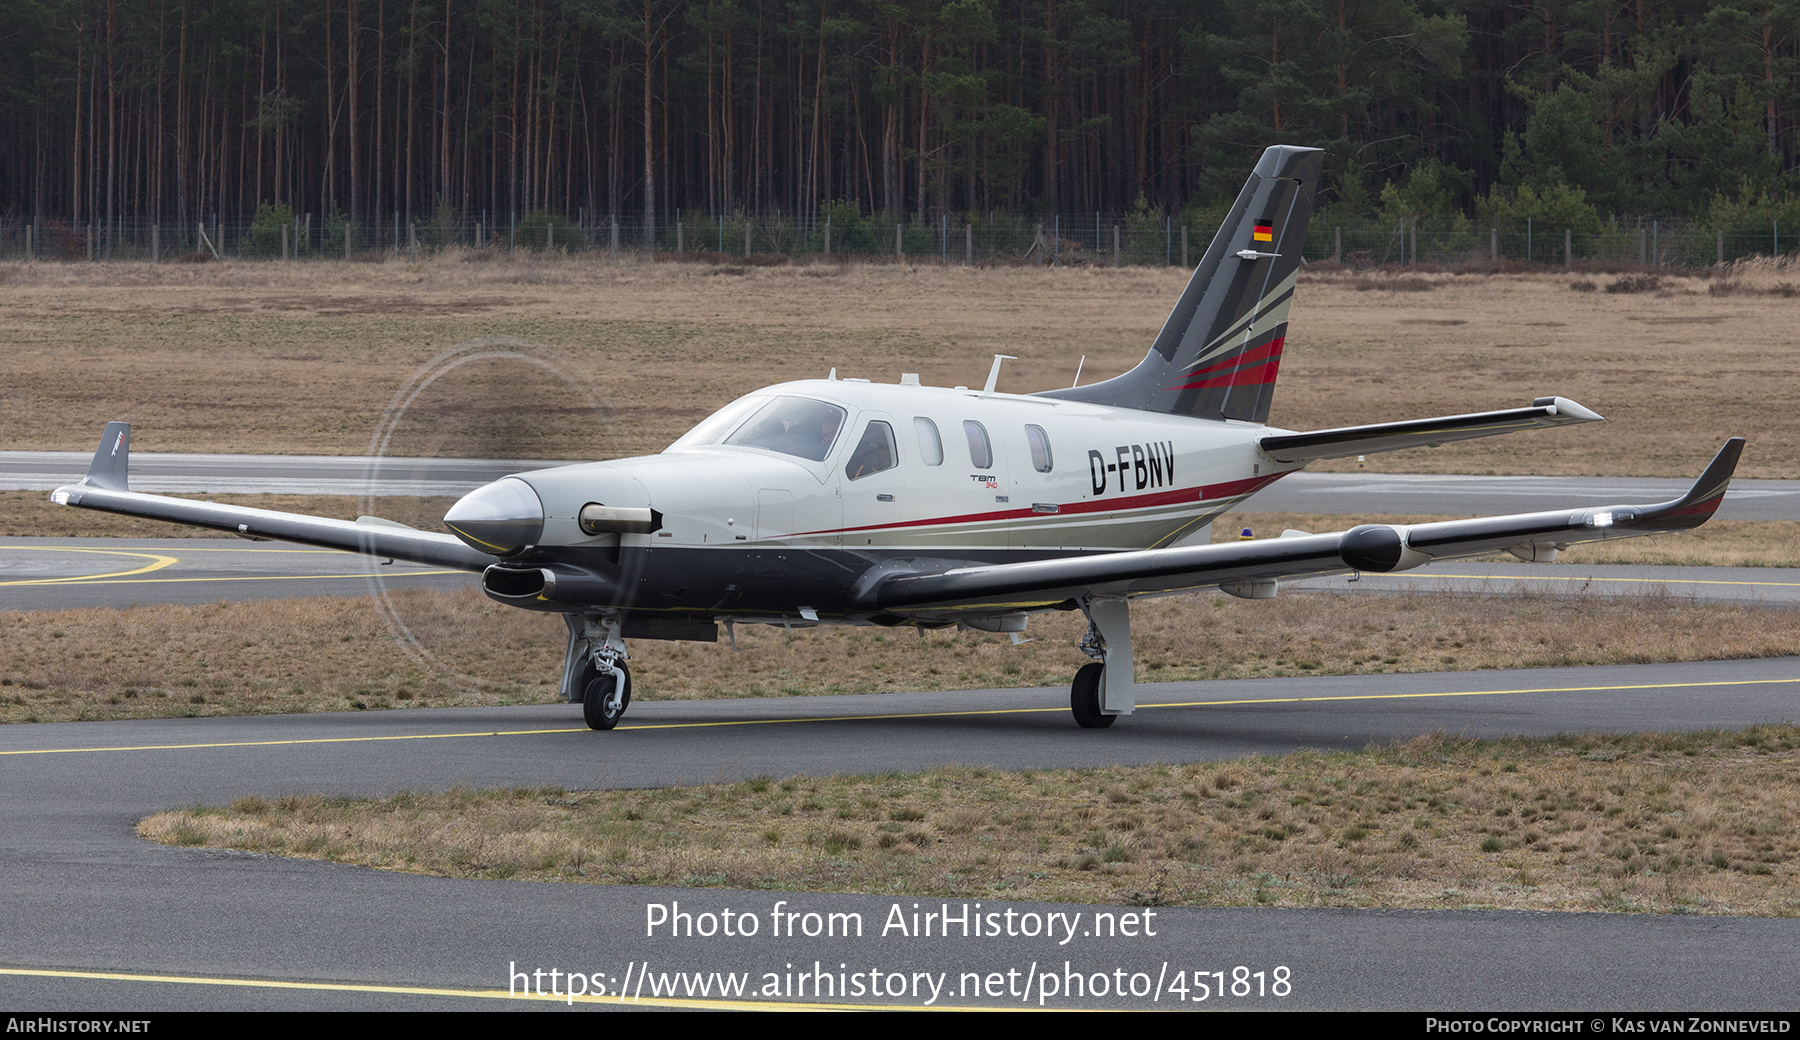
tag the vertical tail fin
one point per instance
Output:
(1218, 354)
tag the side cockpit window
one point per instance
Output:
(874, 453)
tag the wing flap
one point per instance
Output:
(1420, 433)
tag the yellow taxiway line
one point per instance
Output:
(477, 994)
(909, 715)
(157, 562)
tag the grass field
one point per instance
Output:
(324, 654)
(304, 358)
(1688, 823)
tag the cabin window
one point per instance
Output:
(931, 446)
(874, 453)
(981, 452)
(793, 426)
(1040, 448)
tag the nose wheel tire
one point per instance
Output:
(602, 705)
(1084, 698)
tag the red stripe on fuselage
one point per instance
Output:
(1204, 493)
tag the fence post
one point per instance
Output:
(1568, 248)
(1494, 245)
(346, 240)
(396, 232)
(1415, 238)
(1184, 253)
(1037, 243)
(968, 245)
(284, 240)
(549, 237)
(680, 236)
(412, 240)
(746, 238)
(1115, 245)
(900, 241)
(615, 236)
(1719, 250)
(90, 243)
(827, 249)
(1641, 238)
(200, 237)
(1337, 245)
(156, 243)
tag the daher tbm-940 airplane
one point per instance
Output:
(840, 501)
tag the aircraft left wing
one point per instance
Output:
(1375, 548)
(105, 488)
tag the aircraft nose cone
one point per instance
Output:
(501, 518)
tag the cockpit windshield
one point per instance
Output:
(792, 426)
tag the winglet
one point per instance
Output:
(108, 470)
(1699, 504)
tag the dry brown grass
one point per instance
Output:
(1679, 823)
(304, 357)
(261, 657)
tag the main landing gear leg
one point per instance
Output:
(1106, 689)
(594, 671)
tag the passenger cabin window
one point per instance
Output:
(874, 453)
(981, 453)
(1040, 448)
(792, 426)
(931, 446)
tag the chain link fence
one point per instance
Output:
(1088, 240)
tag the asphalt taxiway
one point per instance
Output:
(99, 919)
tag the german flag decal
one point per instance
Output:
(1265, 231)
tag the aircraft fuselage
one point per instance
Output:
(752, 526)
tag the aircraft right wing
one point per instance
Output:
(910, 590)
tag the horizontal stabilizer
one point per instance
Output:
(1422, 433)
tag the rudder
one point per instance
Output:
(1218, 353)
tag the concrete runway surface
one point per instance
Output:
(98, 919)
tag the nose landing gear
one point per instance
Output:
(594, 671)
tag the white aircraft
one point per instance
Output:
(850, 503)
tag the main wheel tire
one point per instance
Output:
(584, 678)
(1084, 698)
(597, 705)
